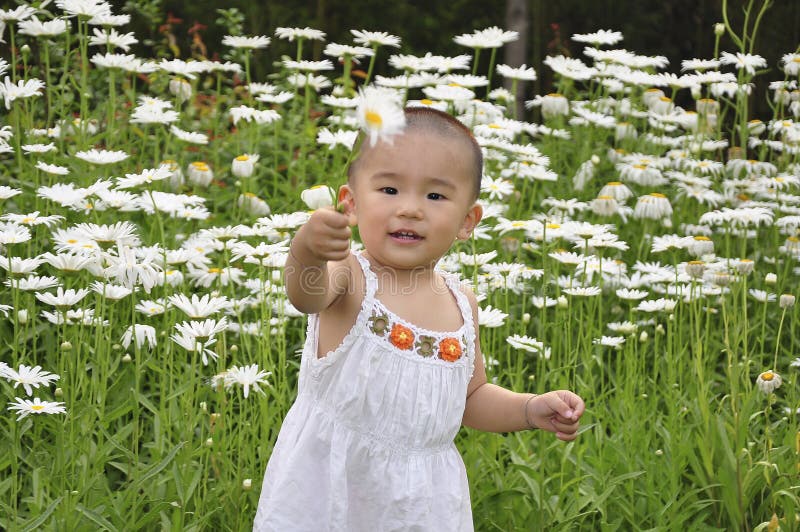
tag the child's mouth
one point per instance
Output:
(409, 236)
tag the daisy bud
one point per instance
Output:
(707, 106)
(214, 417)
(58, 392)
(695, 268)
(209, 442)
(247, 484)
(199, 173)
(770, 278)
(22, 316)
(662, 106)
(175, 178)
(643, 337)
(769, 381)
(318, 196)
(651, 95)
(625, 130)
(756, 127)
(244, 165)
(526, 318)
(719, 29)
(745, 266)
(553, 105)
(562, 302)
(126, 358)
(721, 279)
(659, 452)
(234, 348)
(786, 301)
(595, 159)
(25, 50)
(66, 346)
(181, 88)
(660, 329)
(276, 276)
(654, 206)
(203, 406)
(253, 205)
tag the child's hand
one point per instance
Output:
(557, 412)
(325, 236)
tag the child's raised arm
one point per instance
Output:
(317, 269)
(493, 408)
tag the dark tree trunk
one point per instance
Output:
(517, 51)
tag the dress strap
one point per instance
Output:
(370, 280)
(453, 283)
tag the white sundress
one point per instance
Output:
(368, 444)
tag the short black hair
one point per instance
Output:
(441, 123)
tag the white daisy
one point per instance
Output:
(24, 407)
(29, 377)
(380, 114)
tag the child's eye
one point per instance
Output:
(435, 196)
(389, 190)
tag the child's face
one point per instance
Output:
(413, 198)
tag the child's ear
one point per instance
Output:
(347, 203)
(472, 218)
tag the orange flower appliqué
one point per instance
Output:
(450, 349)
(401, 337)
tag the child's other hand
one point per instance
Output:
(325, 236)
(558, 412)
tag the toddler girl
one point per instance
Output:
(392, 365)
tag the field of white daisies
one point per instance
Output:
(641, 253)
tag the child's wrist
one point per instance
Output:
(531, 426)
(305, 264)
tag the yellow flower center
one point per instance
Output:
(555, 95)
(696, 262)
(37, 408)
(72, 241)
(604, 197)
(553, 226)
(640, 166)
(250, 194)
(767, 376)
(426, 101)
(28, 220)
(495, 126)
(658, 195)
(373, 119)
(664, 99)
(214, 270)
(517, 224)
(793, 239)
(702, 238)
(243, 158)
(614, 183)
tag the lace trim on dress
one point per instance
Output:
(406, 337)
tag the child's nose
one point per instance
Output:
(410, 208)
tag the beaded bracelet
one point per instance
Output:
(531, 426)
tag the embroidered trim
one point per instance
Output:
(448, 348)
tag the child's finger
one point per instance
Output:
(566, 428)
(559, 406)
